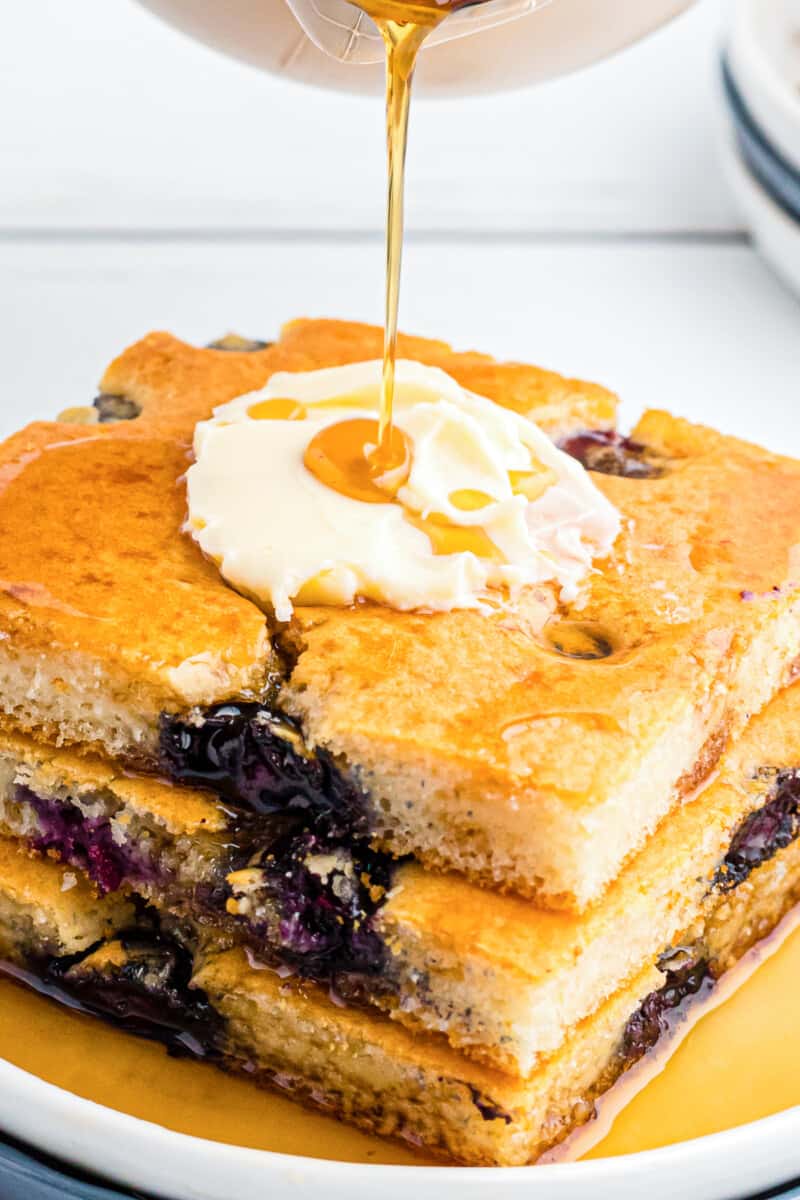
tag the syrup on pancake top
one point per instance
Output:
(388, 481)
(476, 503)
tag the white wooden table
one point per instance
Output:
(146, 182)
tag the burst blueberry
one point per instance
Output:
(609, 453)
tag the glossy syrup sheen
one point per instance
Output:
(404, 26)
(339, 457)
(741, 1061)
(84, 1056)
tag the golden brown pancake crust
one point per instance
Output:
(693, 571)
(92, 558)
(516, 743)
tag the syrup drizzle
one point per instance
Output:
(344, 457)
(402, 41)
(280, 408)
(366, 459)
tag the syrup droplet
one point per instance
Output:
(345, 457)
(532, 484)
(470, 500)
(79, 415)
(575, 640)
(455, 539)
(406, 393)
(280, 408)
(367, 397)
(319, 589)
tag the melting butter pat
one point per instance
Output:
(487, 503)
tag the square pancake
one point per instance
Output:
(507, 981)
(206, 1000)
(503, 980)
(397, 1082)
(488, 744)
(109, 615)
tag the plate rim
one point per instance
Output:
(14, 1079)
(766, 90)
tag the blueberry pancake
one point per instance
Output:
(46, 909)
(166, 981)
(503, 980)
(444, 872)
(533, 748)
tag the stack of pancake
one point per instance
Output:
(446, 875)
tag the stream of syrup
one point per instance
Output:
(404, 28)
(368, 458)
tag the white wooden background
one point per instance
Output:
(146, 181)
(111, 120)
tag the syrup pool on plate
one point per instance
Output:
(741, 1061)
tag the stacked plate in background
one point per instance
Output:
(761, 82)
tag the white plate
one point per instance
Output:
(764, 54)
(776, 234)
(135, 1153)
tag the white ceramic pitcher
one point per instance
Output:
(330, 43)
